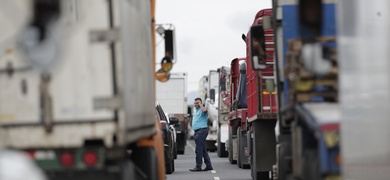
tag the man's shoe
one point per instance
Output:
(208, 168)
(196, 169)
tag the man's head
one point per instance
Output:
(197, 102)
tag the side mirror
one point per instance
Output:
(212, 95)
(222, 80)
(169, 43)
(257, 47)
(173, 121)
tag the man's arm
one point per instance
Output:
(204, 110)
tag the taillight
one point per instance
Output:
(31, 154)
(90, 158)
(67, 159)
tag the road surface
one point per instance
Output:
(223, 170)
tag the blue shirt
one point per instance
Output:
(199, 119)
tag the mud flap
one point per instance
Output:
(264, 148)
(145, 162)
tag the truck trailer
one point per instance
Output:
(306, 69)
(172, 95)
(77, 88)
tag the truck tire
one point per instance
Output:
(180, 151)
(170, 167)
(181, 142)
(230, 153)
(221, 150)
(239, 150)
(175, 150)
(146, 161)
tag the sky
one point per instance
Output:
(208, 33)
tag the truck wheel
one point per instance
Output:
(170, 167)
(180, 151)
(146, 160)
(239, 151)
(230, 153)
(221, 151)
(175, 150)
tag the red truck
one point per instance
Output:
(237, 141)
(261, 94)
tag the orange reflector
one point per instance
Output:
(162, 76)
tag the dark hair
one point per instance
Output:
(198, 99)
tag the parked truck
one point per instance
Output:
(208, 87)
(172, 95)
(261, 97)
(306, 84)
(237, 137)
(223, 99)
(77, 88)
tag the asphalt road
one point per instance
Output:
(223, 170)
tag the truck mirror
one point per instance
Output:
(169, 37)
(222, 79)
(173, 121)
(189, 111)
(212, 95)
(257, 47)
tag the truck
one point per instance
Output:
(261, 96)
(237, 119)
(172, 95)
(306, 84)
(77, 89)
(223, 99)
(208, 85)
(212, 108)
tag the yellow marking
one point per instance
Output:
(7, 117)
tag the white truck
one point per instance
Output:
(172, 95)
(223, 110)
(211, 104)
(77, 87)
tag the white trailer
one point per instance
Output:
(172, 95)
(76, 91)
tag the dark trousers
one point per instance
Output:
(200, 150)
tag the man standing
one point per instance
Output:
(199, 125)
